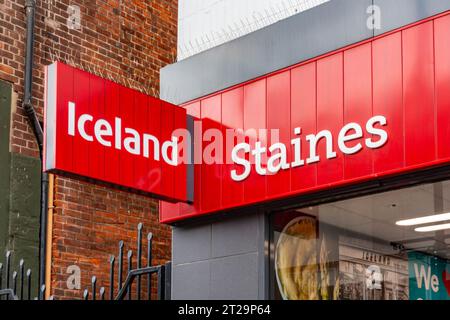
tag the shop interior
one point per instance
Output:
(389, 246)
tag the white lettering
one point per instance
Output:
(146, 140)
(378, 132)
(240, 161)
(170, 159)
(277, 161)
(82, 126)
(257, 153)
(133, 142)
(314, 139)
(345, 137)
(434, 283)
(103, 129)
(423, 276)
(118, 134)
(267, 160)
(297, 143)
(71, 124)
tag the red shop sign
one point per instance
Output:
(100, 131)
(376, 108)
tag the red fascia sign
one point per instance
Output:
(100, 131)
(376, 108)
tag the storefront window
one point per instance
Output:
(388, 246)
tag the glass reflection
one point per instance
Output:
(354, 250)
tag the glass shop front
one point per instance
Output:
(393, 245)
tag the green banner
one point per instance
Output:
(429, 277)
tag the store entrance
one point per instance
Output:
(388, 246)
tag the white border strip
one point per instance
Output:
(50, 118)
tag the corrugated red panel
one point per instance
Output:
(358, 107)
(330, 115)
(211, 174)
(97, 106)
(141, 117)
(167, 171)
(442, 76)
(303, 116)
(254, 121)
(65, 75)
(232, 118)
(388, 100)
(112, 165)
(418, 94)
(154, 168)
(278, 122)
(81, 87)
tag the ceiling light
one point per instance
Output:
(423, 220)
(433, 228)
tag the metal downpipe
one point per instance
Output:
(30, 8)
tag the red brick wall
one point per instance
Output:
(88, 224)
(127, 41)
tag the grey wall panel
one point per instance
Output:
(298, 38)
(191, 243)
(235, 277)
(223, 259)
(311, 33)
(263, 255)
(395, 14)
(191, 281)
(235, 236)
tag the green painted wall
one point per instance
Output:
(5, 160)
(19, 195)
(24, 210)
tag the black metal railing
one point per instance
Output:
(125, 287)
(17, 285)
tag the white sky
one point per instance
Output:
(203, 24)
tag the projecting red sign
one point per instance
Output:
(101, 131)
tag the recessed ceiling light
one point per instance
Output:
(433, 228)
(423, 220)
